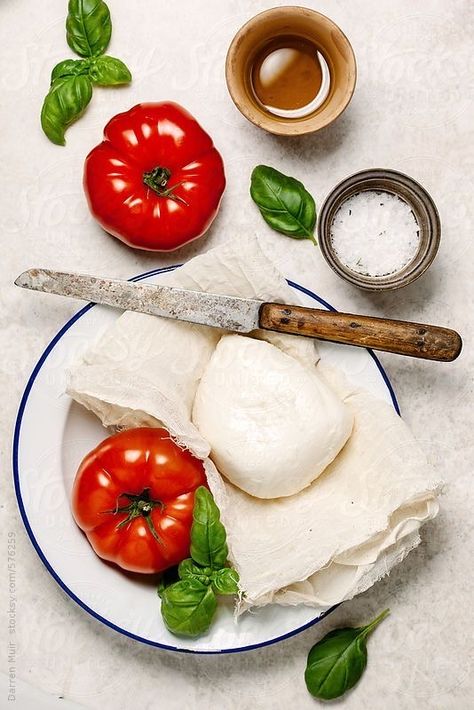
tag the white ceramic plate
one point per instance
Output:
(52, 435)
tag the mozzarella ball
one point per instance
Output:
(273, 424)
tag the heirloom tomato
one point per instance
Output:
(133, 496)
(156, 180)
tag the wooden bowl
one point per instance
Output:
(300, 21)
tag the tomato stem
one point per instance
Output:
(157, 180)
(140, 505)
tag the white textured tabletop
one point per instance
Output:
(412, 111)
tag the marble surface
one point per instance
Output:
(412, 111)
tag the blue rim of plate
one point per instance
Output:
(16, 479)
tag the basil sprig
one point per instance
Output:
(284, 203)
(337, 662)
(88, 31)
(189, 604)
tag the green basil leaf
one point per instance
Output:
(168, 577)
(188, 607)
(108, 71)
(336, 663)
(188, 569)
(208, 538)
(284, 203)
(69, 67)
(225, 581)
(88, 27)
(65, 102)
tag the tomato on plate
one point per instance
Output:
(133, 496)
(156, 180)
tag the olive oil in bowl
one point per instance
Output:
(290, 77)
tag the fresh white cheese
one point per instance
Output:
(273, 424)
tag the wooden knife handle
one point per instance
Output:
(394, 336)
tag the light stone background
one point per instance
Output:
(412, 111)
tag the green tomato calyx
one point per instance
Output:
(157, 180)
(140, 505)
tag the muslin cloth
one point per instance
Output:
(321, 546)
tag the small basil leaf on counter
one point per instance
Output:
(66, 101)
(88, 27)
(208, 537)
(168, 577)
(188, 607)
(109, 71)
(225, 581)
(69, 67)
(337, 662)
(284, 203)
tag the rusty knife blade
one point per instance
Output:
(227, 312)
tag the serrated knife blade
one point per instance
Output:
(227, 312)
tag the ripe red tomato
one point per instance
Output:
(133, 496)
(156, 180)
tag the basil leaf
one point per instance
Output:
(208, 538)
(168, 577)
(88, 27)
(336, 663)
(225, 581)
(188, 607)
(69, 67)
(188, 569)
(284, 203)
(108, 71)
(65, 102)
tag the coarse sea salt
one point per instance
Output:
(375, 233)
